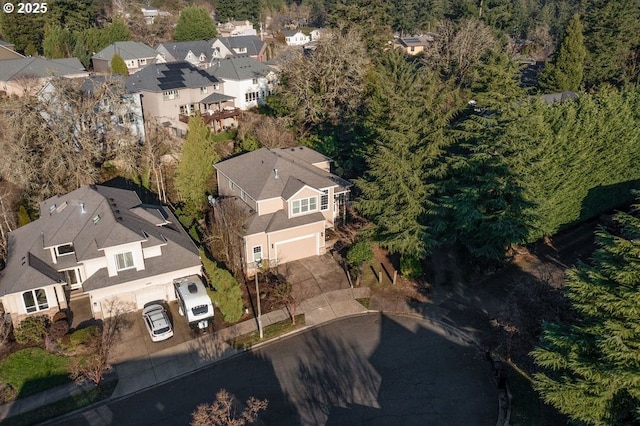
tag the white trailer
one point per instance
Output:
(193, 301)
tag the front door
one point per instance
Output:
(73, 278)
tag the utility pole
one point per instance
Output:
(258, 263)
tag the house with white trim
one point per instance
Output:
(246, 80)
(291, 199)
(136, 56)
(96, 242)
(295, 38)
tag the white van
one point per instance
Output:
(193, 301)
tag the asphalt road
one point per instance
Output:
(365, 370)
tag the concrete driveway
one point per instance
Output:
(314, 275)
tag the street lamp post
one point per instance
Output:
(258, 264)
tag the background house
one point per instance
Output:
(136, 56)
(31, 74)
(290, 197)
(173, 92)
(295, 38)
(7, 51)
(236, 28)
(97, 243)
(245, 79)
(203, 53)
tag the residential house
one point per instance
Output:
(295, 38)
(7, 51)
(136, 56)
(29, 75)
(291, 199)
(96, 242)
(245, 79)
(316, 33)
(173, 92)
(203, 53)
(236, 28)
(414, 45)
(150, 14)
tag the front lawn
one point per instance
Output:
(32, 370)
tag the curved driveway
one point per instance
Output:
(366, 370)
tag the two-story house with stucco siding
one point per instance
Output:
(96, 242)
(291, 197)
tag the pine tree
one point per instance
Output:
(593, 363)
(565, 72)
(58, 42)
(194, 23)
(195, 173)
(408, 115)
(118, 65)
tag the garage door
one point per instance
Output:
(151, 294)
(287, 251)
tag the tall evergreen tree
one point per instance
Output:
(409, 112)
(118, 65)
(58, 42)
(195, 173)
(593, 362)
(566, 70)
(194, 23)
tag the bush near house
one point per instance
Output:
(228, 293)
(32, 329)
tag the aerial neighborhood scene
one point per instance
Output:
(314, 212)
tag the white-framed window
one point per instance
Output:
(74, 279)
(124, 260)
(64, 250)
(257, 253)
(204, 90)
(35, 300)
(142, 61)
(324, 200)
(232, 186)
(168, 95)
(243, 195)
(255, 81)
(216, 86)
(305, 205)
(250, 97)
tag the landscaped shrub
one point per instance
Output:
(228, 293)
(410, 267)
(79, 337)
(58, 329)
(32, 329)
(360, 252)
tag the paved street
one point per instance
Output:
(371, 369)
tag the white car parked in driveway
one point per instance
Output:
(157, 321)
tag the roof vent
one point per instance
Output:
(193, 289)
(82, 209)
(96, 219)
(275, 173)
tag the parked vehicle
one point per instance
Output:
(157, 322)
(193, 301)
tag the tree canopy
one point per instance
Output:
(194, 23)
(565, 72)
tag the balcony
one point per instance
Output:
(210, 116)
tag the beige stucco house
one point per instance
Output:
(291, 197)
(26, 76)
(136, 56)
(99, 243)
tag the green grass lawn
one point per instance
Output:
(274, 330)
(33, 370)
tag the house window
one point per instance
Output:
(413, 49)
(142, 61)
(232, 186)
(216, 86)
(35, 300)
(243, 195)
(255, 81)
(324, 200)
(305, 205)
(250, 97)
(64, 249)
(204, 90)
(73, 278)
(257, 253)
(124, 261)
(170, 94)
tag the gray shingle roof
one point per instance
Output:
(174, 75)
(178, 51)
(91, 218)
(238, 68)
(254, 172)
(252, 43)
(12, 69)
(127, 50)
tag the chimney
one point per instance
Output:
(275, 173)
(82, 209)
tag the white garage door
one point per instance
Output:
(287, 251)
(151, 294)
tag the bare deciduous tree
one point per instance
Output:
(57, 141)
(223, 237)
(93, 366)
(224, 411)
(7, 223)
(269, 132)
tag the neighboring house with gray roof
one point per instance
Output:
(198, 53)
(295, 38)
(291, 197)
(250, 46)
(136, 56)
(175, 91)
(97, 242)
(29, 75)
(245, 79)
(8, 51)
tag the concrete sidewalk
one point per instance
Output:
(184, 358)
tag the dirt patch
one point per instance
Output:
(403, 289)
